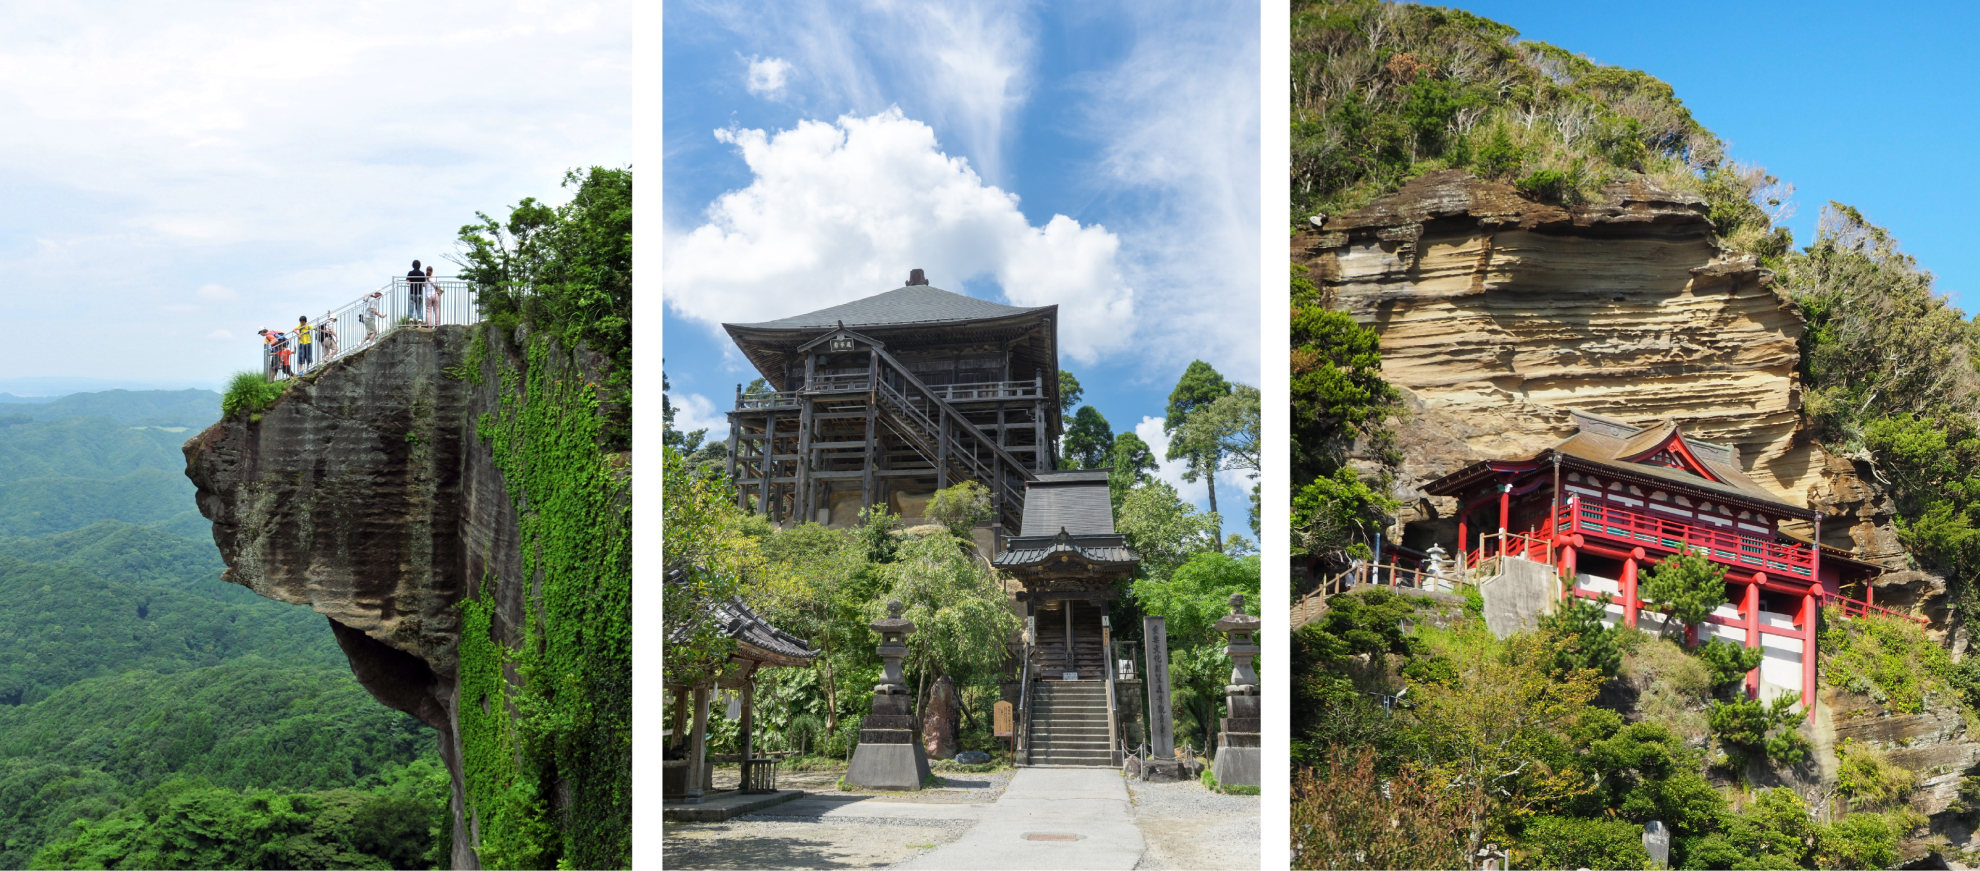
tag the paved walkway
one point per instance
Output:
(1086, 810)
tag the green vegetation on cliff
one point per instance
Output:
(571, 730)
(1385, 92)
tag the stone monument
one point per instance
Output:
(1237, 746)
(889, 755)
(1161, 766)
(1657, 842)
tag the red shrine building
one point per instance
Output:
(1616, 498)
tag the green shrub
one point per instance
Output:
(1865, 840)
(1889, 659)
(1751, 727)
(1574, 842)
(1870, 780)
(250, 392)
(1580, 638)
(1727, 662)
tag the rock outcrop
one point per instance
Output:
(1498, 314)
(364, 495)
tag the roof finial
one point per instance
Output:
(916, 278)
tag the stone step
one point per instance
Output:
(1098, 745)
(1082, 759)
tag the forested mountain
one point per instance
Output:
(136, 686)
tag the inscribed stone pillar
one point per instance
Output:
(889, 756)
(938, 722)
(1237, 761)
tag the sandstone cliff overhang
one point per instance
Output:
(1499, 315)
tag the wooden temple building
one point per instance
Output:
(887, 399)
(1616, 498)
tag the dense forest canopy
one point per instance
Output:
(132, 679)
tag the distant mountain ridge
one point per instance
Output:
(191, 408)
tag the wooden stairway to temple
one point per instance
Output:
(1069, 717)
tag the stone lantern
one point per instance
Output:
(890, 755)
(1237, 761)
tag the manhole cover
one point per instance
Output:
(1050, 836)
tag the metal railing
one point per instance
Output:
(358, 324)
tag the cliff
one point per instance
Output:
(396, 491)
(1498, 313)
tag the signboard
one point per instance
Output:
(1005, 727)
(1161, 723)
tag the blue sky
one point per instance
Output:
(180, 175)
(1873, 106)
(1099, 157)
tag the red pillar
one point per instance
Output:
(1505, 514)
(1630, 602)
(1464, 522)
(1750, 609)
(1807, 621)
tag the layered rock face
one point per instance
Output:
(1498, 313)
(364, 495)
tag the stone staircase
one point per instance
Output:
(1069, 723)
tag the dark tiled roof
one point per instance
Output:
(735, 620)
(1031, 551)
(1606, 441)
(1075, 501)
(919, 304)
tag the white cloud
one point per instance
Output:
(215, 291)
(1180, 121)
(220, 334)
(767, 77)
(964, 65)
(1233, 487)
(692, 411)
(837, 212)
(296, 153)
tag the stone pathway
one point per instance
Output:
(1048, 818)
(1090, 817)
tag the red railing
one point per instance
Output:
(1610, 521)
(1533, 546)
(1859, 608)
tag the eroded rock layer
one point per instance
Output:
(364, 495)
(1498, 314)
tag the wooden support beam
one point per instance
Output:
(872, 401)
(763, 495)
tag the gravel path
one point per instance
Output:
(760, 843)
(1190, 827)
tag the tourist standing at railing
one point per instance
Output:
(304, 340)
(369, 317)
(432, 299)
(326, 332)
(415, 291)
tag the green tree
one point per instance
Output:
(567, 269)
(1089, 440)
(1685, 587)
(961, 509)
(1133, 465)
(1582, 640)
(1750, 727)
(1069, 395)
(1199, 387)
(962, 619)
(1164, 530)
(707, 555)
